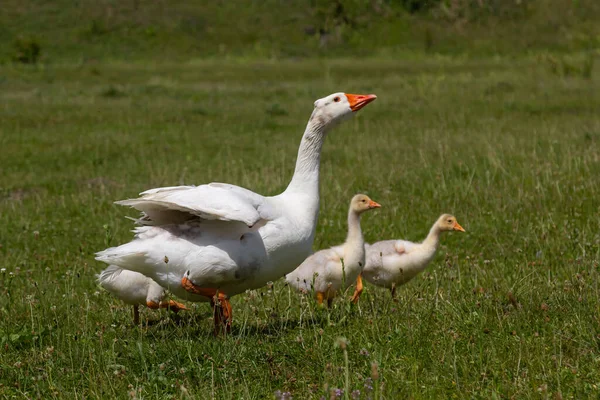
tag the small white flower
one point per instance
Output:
(3, 270)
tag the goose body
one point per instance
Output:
(227, 255)
(135, 289)
(220, 239)
(391, 263)
(330, 270)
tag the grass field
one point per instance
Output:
(133, 30)
(508, 310)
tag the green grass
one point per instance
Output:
(108, 30)
(508, 310)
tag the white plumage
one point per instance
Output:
(135, 289)
(223, 239)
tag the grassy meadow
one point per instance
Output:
(508, 310)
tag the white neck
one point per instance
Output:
(306, 175)
(433, 238)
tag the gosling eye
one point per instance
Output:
(336, 99)
(449, 221)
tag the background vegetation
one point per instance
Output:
(89, 31)
(487, 110)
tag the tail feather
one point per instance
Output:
(119, 258)
(108, 274)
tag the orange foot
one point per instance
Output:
(174, 306)
(171, 304)
(358, 291)
(219, 301)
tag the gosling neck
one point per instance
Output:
(355, 236)
(433, 238)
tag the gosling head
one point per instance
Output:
(448, 222)
(361, 203)
(340, 106)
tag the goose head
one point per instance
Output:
(338, 107)
(448, 222)
(361, 203)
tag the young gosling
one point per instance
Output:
(326, 270)
(392, 263)
(135, 289)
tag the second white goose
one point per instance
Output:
(136, 289)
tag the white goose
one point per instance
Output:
(330, 270)
(136, 289)
(222, 239)
(392, 263)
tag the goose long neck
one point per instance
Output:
(433, 238)
(355, 236)
(306, 174)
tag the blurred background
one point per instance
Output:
(86, 31)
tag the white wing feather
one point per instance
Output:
(214, 201)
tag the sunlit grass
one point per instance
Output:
(508, 309)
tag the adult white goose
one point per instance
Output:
(330, 270)
(222, 239)
(392, 263)
(136, 289)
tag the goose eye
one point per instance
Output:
(449, 221)
(336, 99)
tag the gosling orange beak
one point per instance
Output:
(457, 227)
(358, 101)
(373, 204)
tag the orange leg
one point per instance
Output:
(324, 296)
(222, 313)
(358, 291)
(320, 297)
(219, 301)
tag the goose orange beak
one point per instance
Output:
(374, 204)
(358, 101)
(457, 227)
